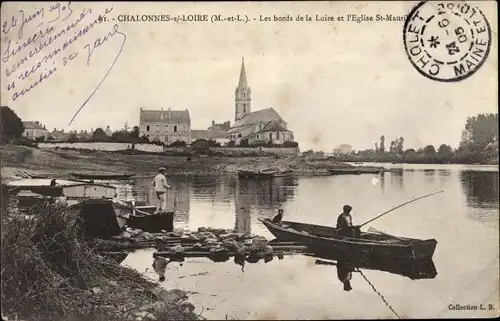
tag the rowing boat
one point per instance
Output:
(264, 174)
(368, 244)
(101, 176)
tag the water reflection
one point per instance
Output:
(397, 177)
(248, 195)
(481, 188)
(413, 269)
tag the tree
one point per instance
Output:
(399, 147)
(392, 148)
(479, 131)
(445, 149)
(135, 132)
(11, 126)
(99, 134)
(72, 138)
(382, 144)
(429, 150)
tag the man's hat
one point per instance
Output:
(347, 208)
(162, 169)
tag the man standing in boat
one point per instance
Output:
(160, 185)
(344, 223)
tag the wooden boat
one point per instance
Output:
(367, 245)
(143, 217)
(285, 173)
(70, 189)
(264, 174)
(101, 176)
(354, 170)
(256, 174)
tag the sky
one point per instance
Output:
(332, 82)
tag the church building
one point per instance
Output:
(264, 125)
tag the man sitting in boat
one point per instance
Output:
(160, 185)
(277, 219)
(344, 223)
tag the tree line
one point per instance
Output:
(478, 144)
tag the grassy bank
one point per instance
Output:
(65, 161)
(49, 273)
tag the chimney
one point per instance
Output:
(213, 122)
(62, 130)
(55, 129)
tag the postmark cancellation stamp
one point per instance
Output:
(447, 41)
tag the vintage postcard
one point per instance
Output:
(249, 160)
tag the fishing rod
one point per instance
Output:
(392, 209)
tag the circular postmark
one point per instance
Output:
(447, 41)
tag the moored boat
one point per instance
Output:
(103, 176)
(284, 173)
(243, 174)
(355, 170)
(371, 245)
(70, 189)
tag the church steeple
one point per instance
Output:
(242, 94)
(243, 75)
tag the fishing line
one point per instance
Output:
(379, 294)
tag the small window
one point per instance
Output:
(239, 135)
(175, 128)
(166, 138)
(166, 126)
(147, 128)
(258, 136)
(277, 135)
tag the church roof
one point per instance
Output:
(207, 134)
(180, 116)
(263, 115)
(243, 75)
(273, 126)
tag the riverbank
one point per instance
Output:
(49, 273)
(61, 162)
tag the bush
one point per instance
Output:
(49, 272)
(290, 144)
(178, 143)
(231, 143)
(244, 143)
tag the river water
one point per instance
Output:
(464, 220)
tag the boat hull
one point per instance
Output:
(314, 237)
(154, 223)
(102, 176)
(254, 175)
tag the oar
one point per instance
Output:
(392, 209)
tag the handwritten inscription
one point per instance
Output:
(41, 42)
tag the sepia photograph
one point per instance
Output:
(249, 160)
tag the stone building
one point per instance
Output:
(33, 130)
(165, 126)
(264, 125)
